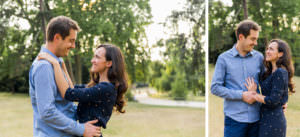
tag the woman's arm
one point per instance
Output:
(67, 74)
(260, 98)
(279, 84)
(60, 80)
(94, 93)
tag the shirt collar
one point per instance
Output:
(235, 52)
(44, 49)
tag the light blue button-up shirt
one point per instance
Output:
(231, 72)
(53, 116)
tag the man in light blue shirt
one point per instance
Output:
(54, 116)
(232, 69)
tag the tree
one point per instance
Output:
(102, 21)
(278, 19)
(184, 60)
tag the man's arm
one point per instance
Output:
(47, 110)
(218, 88)
(217, 85)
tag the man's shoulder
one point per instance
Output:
(41, 64)
(226, 54)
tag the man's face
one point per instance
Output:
(64, 46)
(248, 43)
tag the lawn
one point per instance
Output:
(216, 116)
(138, 121)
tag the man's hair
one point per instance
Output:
(244, 28)
(60, 25)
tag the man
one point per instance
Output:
(232, 69)
(52, 115)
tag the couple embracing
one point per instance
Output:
(250, 112)
(52, 92)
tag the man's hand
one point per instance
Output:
(90, 130)
(284, 107)
(249, 97)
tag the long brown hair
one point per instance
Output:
(116, 74)
(285, 61)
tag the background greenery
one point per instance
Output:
(121, 22)
(278, 19)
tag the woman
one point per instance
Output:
(275, 84)
(105, 90)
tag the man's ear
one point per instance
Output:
(57, 36)
(241, 37)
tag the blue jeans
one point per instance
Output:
(237, 129)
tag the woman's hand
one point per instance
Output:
(260, 98)
(46, 56)
(251, 85)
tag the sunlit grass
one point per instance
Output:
(138, 121)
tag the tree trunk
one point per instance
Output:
(78, 67)
(245, 9)
(275, 25)
(42, 11)
(70, 68)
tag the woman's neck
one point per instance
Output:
(103, 77)
(274, 66)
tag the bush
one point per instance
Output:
(165, 82)
(129, 96)
(179, 90)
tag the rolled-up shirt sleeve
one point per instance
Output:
(45, 97)
(217, 85)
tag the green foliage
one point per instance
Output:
(102, 21)
(129, 96)
(278, 19)
(179, 87)
(185, 54)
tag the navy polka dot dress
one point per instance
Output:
(272, 120)
(94, 103)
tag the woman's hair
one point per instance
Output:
(285, 61)
(116, 74)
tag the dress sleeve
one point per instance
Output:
(88, 94)
(278, 89)
(80, 86)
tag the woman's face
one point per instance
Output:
(272, 53)
(99, 63)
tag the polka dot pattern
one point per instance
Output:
(272, 120)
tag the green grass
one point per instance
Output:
(166, 95)
(216, 116)
(138, 121)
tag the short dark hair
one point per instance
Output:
(244, 28)
(61, 25)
